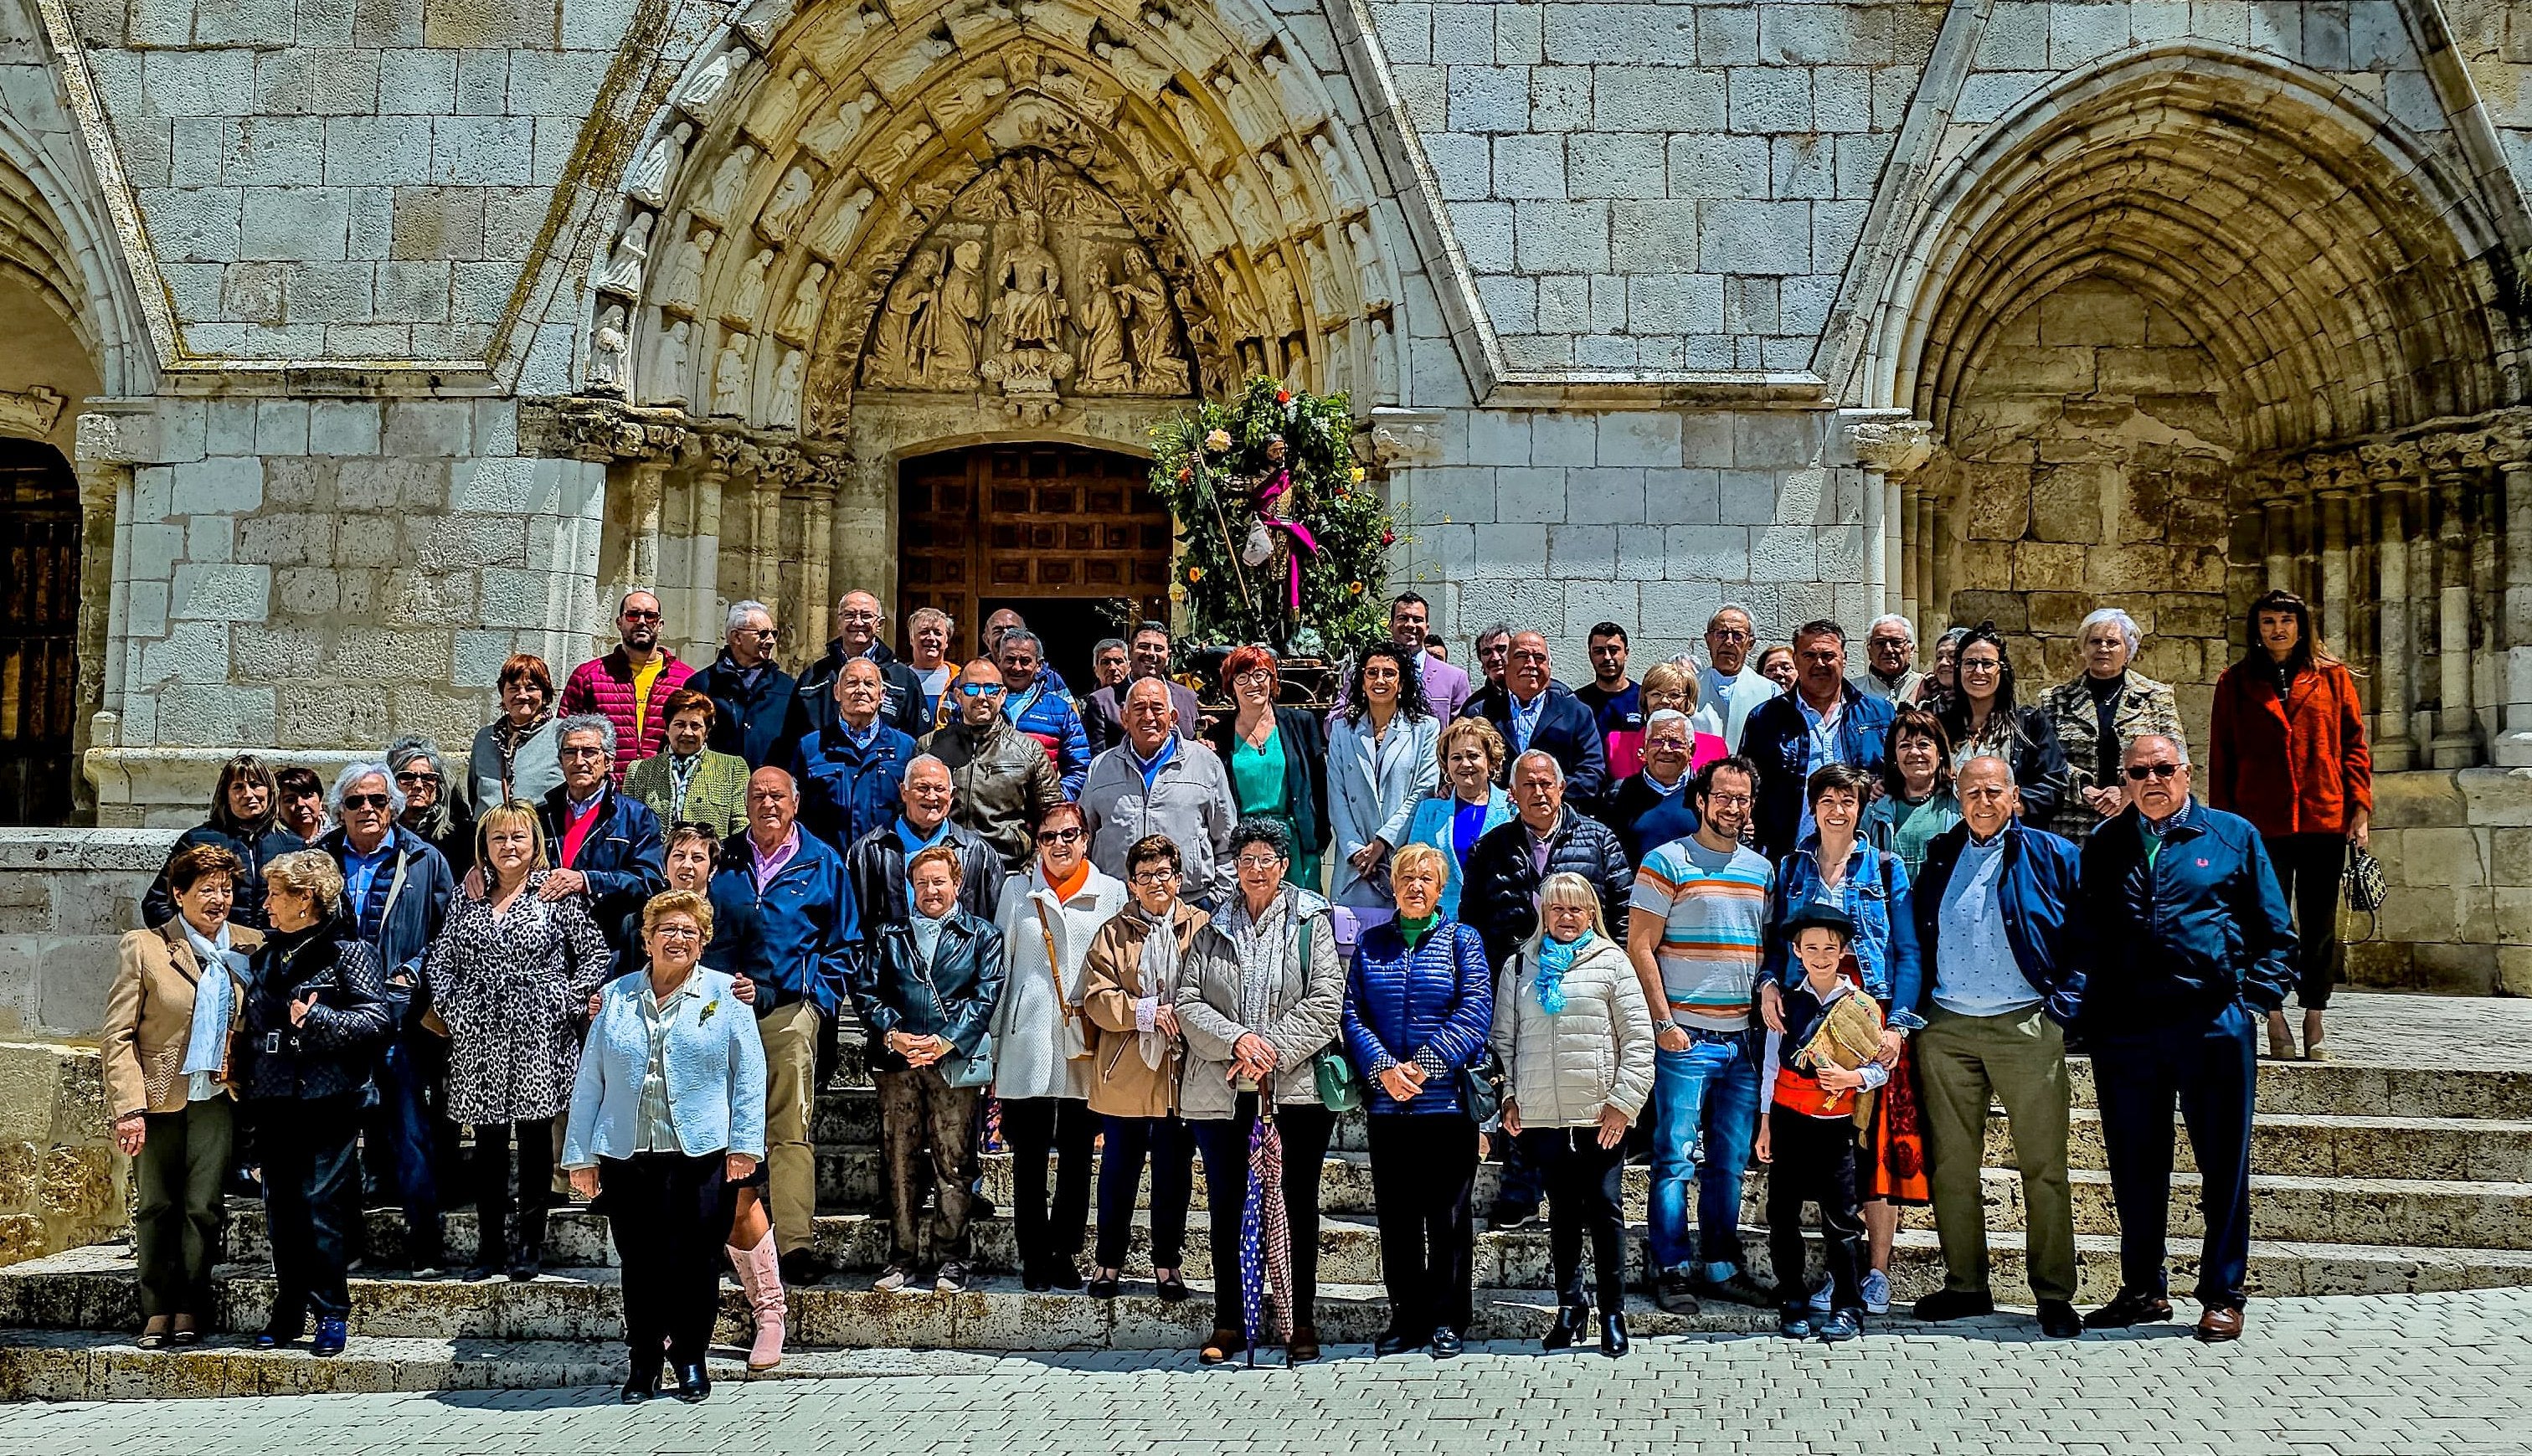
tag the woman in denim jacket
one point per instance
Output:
(1837, 867)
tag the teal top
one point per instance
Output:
(1257, 784)
(1912, 827)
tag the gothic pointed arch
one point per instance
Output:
(837, 201)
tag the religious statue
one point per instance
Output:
(607, 349)
(962, 314)
(749, 298)
(624, 272)
(730, 377)
(835, 236)
(783, 413)
(1143, 298)
(1103, 334)
(910, 324)
(728, 187)
(783, 211)
(808, 296)
(700, 93)
(665, 384)
(829, 137)
(681, 283)
(1276, 539)
(1029, 314)
(650, 181)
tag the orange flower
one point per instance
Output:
(1196, 573)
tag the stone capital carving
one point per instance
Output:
(30, 411)
(1891, 446)
(1405, 437)
(601, 430)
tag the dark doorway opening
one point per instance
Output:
(1068, 627)
(39, 590)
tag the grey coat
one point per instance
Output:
(535, 771)
(1189, 800)
(1372, 796)
(1302, 1009)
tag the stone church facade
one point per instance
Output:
(357, 344)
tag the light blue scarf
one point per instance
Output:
(214, 997)
(1554, 960)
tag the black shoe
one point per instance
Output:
(1740, 1289)
(1613, 1334)
(480, 1273)
(1953, 1303)
(1504, 1216)
(2058, 1319)
(526, 1270)
(1058, 1275)
(1675, 1294)
(1446, 1342)
(799, 1266)
(1394, 1342)
(1032, 1280)
(2131, 1308)
(1571, 1321)
(1840, 1327)
(1103, 1286)
(639, 1387)
(692, 1385)
(1174, 1290)
(1794, 1320)
(331, 1336)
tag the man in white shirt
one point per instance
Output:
(1729, 686)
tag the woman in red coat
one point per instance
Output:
(2289, 753)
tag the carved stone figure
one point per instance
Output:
(1205, 235)
(681, 283)
(962, 314)
(835, 236)
(1144, 299)
(1375, 294)
(1299, 101)
(957, 107)
(829, 137)
(700, 93)
(907, 67)
(1287, 187)
(1103, 334)
(1192, 124)
(650, 181)
(783, 211)
(1323, 277)
(728, 187)
(1259, 223)
(783, 411)
(910, 324)
(1031, 308)
(666, 381)
(773, 117)
(1251, 115)
(1131, 68)
(624, 265)
(607, 347)
(888, 161)
(730, 377)
(800, 315)
(748, 299)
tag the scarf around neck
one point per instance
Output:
(1554, 960)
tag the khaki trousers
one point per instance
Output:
(790, 1036)
(2020, 1058)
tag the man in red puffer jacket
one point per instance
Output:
(631, 684)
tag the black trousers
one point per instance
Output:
(510, 1231)
(1306, 1127)
(1584, 1185)
(1036, 1128)
(1811, 1160)
(1171, 1148)
(311, 1177)
(2310, 869)
(2210, 1070)
(1424, 1172)
(176, 1219)
(670, 1223)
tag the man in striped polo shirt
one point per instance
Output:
(1698, 908)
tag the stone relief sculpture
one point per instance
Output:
(773, 117)
(902, 70)
(908, 324)
(1357, 232)
(887, 163)
(829, 137)
(959, 106)
(800, 315)
(607, 347)
(781, 214)
(650, 180)
(1144, 300)
(748, 299)
(1198, 132)
(962, 314)
(698, 99)
(624, 265)
(681, 282)
(1286, 185)
(835, 236)
(730, 377)
(782, 412)
(1103, 334)
(1028, 314)
(1138, 73)
(666, 381)
(728, 186)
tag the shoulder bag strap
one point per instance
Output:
(1053, 968)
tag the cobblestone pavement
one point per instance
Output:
(2336, 1376)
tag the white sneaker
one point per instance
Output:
(953, 1279)
(893, 1280)
(1875, 1289)
(1819, 1298)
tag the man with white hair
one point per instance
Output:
(395, 893)
(858, 625)
(1154, 781)
(1891, 659)
(2105, 705)
(1730, 687)
(751, 693)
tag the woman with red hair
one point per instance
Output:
(1277, 758)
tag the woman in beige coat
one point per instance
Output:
(168, 1018)
(1577, 1040)
(1129, 990)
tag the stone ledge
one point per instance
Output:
(141, 850)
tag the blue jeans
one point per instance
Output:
(2209, 1069)
(1705, 1118)
(410, 1081)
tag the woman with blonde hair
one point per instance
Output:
(1466, 804)
(511, 975)
(1577, 1043)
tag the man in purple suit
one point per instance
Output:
(1446, 688)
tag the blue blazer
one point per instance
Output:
(1777, 740)
(2042, 912)
(625, 859)
(1568, 731)
(746, 722)
(1431, 1006)
(1432, 825)
(805, 924)
(2196, 927)
(715, 1064)
(846, 792)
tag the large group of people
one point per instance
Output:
(1751, 906)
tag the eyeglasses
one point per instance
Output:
(980, 689)
(366, 801)
(1261, 861)
(757, 632)
(678, 932)
(1980, 664)
(2138, 773)
(1156, 876)
(1255, 678)
(579, 750)
(417, 779)
(641, 617)
(1070, 836)
(1741, 800)
(1728, 634)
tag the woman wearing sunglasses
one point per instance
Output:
(1050, 913)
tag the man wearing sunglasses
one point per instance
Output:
(630, 686)
(2205, 950)
(751, 693)
(395, 893)
(1004, 781)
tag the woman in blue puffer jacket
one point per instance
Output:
(1419, 1000)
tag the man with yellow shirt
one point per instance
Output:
(630, 686)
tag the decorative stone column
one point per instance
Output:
(2511, 446)
(765, 535)
(645, 494)
(104, 466)
(2386, 469)
(2276, 538)
(2452, 461)
(2331, 507)
(1889, 450)
(821, 476)
(712, 458)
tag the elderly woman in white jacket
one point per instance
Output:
(1050, 913)
(1380, 765)
(1577, 1041)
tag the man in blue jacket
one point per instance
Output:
(606, 844)
(1535, 713)
(1996, 929)
(1823, 721)
(751, 694)
(2192, 947)
(796, 883)
(1037, 703)
(858, 620)
(851, 772)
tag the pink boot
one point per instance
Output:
(760, 1273)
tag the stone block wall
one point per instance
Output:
(62, 1183)
(2457, 850)
(66, 896)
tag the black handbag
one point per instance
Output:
(1481, 1087)
(2366, 888)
